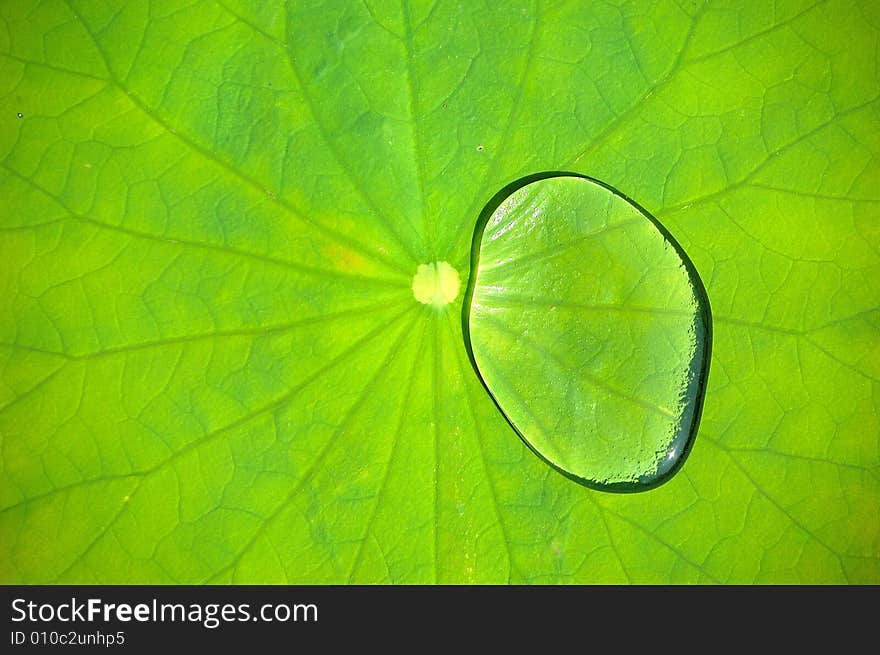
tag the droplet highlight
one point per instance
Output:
(591, 330)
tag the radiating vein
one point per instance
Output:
(338, 155)
(611, 541)
(548, 448)
(261, 331)
(100, 534)
(435, 413)
(621, 119)
(176, 241)
(251, 182)
(33, 390)
(479, 437)
(389, 463)
(769, 497)
(678, 552)
(578, 372)
(325, 134)
(271, 406)
(757, 35)
(65, 488)
(429, 228)
(559, 249)
(321, 456)
(515, 300)
(482, 196)
(746, 179)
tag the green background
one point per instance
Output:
(212, 366)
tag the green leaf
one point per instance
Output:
(214, 368)
(590, 330)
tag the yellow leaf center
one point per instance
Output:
(436, 284)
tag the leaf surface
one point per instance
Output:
(213, 367)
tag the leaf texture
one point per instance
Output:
(212, 366)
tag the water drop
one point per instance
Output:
(590, 328)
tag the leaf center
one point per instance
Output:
(436, 284)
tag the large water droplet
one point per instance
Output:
(591, 330)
